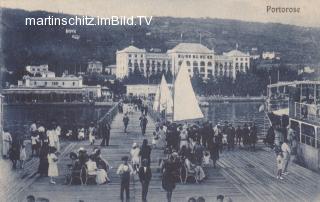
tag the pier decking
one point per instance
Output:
(241, 175)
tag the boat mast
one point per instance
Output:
(173, 80)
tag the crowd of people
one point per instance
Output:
(188, 149)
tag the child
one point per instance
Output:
(53, 165)
(206, 158)
(23, 155)
(35, 141)
(155, 139)
(279, 165)
(69, 135)
(81, 134)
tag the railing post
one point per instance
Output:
(315, 137)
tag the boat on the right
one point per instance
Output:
(297, 104)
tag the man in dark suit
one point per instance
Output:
(104, 131)
(145, 177)
(143, 123)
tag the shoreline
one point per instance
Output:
(231, 99)
(62, 104)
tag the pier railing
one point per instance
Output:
(153, 114)
(110, 114)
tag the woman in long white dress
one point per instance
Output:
(162, 137)
(135, 158)
(23, 154)
(7, 139)
(53, 165)
(52, 136)
(92, 133)
(58, 134)
(184, 137)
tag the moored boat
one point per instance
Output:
(297, 105)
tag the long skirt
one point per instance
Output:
(6, 147)
(53, 170)
(101, 176)
(43, 166)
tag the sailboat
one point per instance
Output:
(163, 100)
(186, 106)
(183, 106)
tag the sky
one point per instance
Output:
(247, 10)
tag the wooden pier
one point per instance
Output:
(241, 175)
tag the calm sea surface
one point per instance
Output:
(234, 112)
(64, 115)
(237, 113)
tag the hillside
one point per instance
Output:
(24, 45)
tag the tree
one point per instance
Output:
(169, 76)
(14, 77)
(135, 77)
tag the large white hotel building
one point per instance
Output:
(194, 56)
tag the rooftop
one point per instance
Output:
(191, 48)
(132, 49)
(236, 53)
(67, 78)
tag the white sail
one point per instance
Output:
(186, 105)
(166, 102)
(156, 100)
(163, 99)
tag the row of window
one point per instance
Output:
(241, 59)
(54, 83)
(135, 55)
(194, 63)
(149, 62)
(196, 56)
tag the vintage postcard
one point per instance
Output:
(159, 101)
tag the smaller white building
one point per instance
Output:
(267, 55)
(42, 70)
(95, 67)
(111, 69)
(51, 89)
(37, 69)
(306, 69)
(143, 90)
(62, 82)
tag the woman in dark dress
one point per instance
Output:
(14, 152)
(168, 178)
(214, 150)
(43, 156)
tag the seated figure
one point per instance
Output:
(197, 170)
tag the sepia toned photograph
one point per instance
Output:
(159, 101)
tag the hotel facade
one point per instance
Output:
(196, 57)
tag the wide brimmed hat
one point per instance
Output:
(81, 149)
